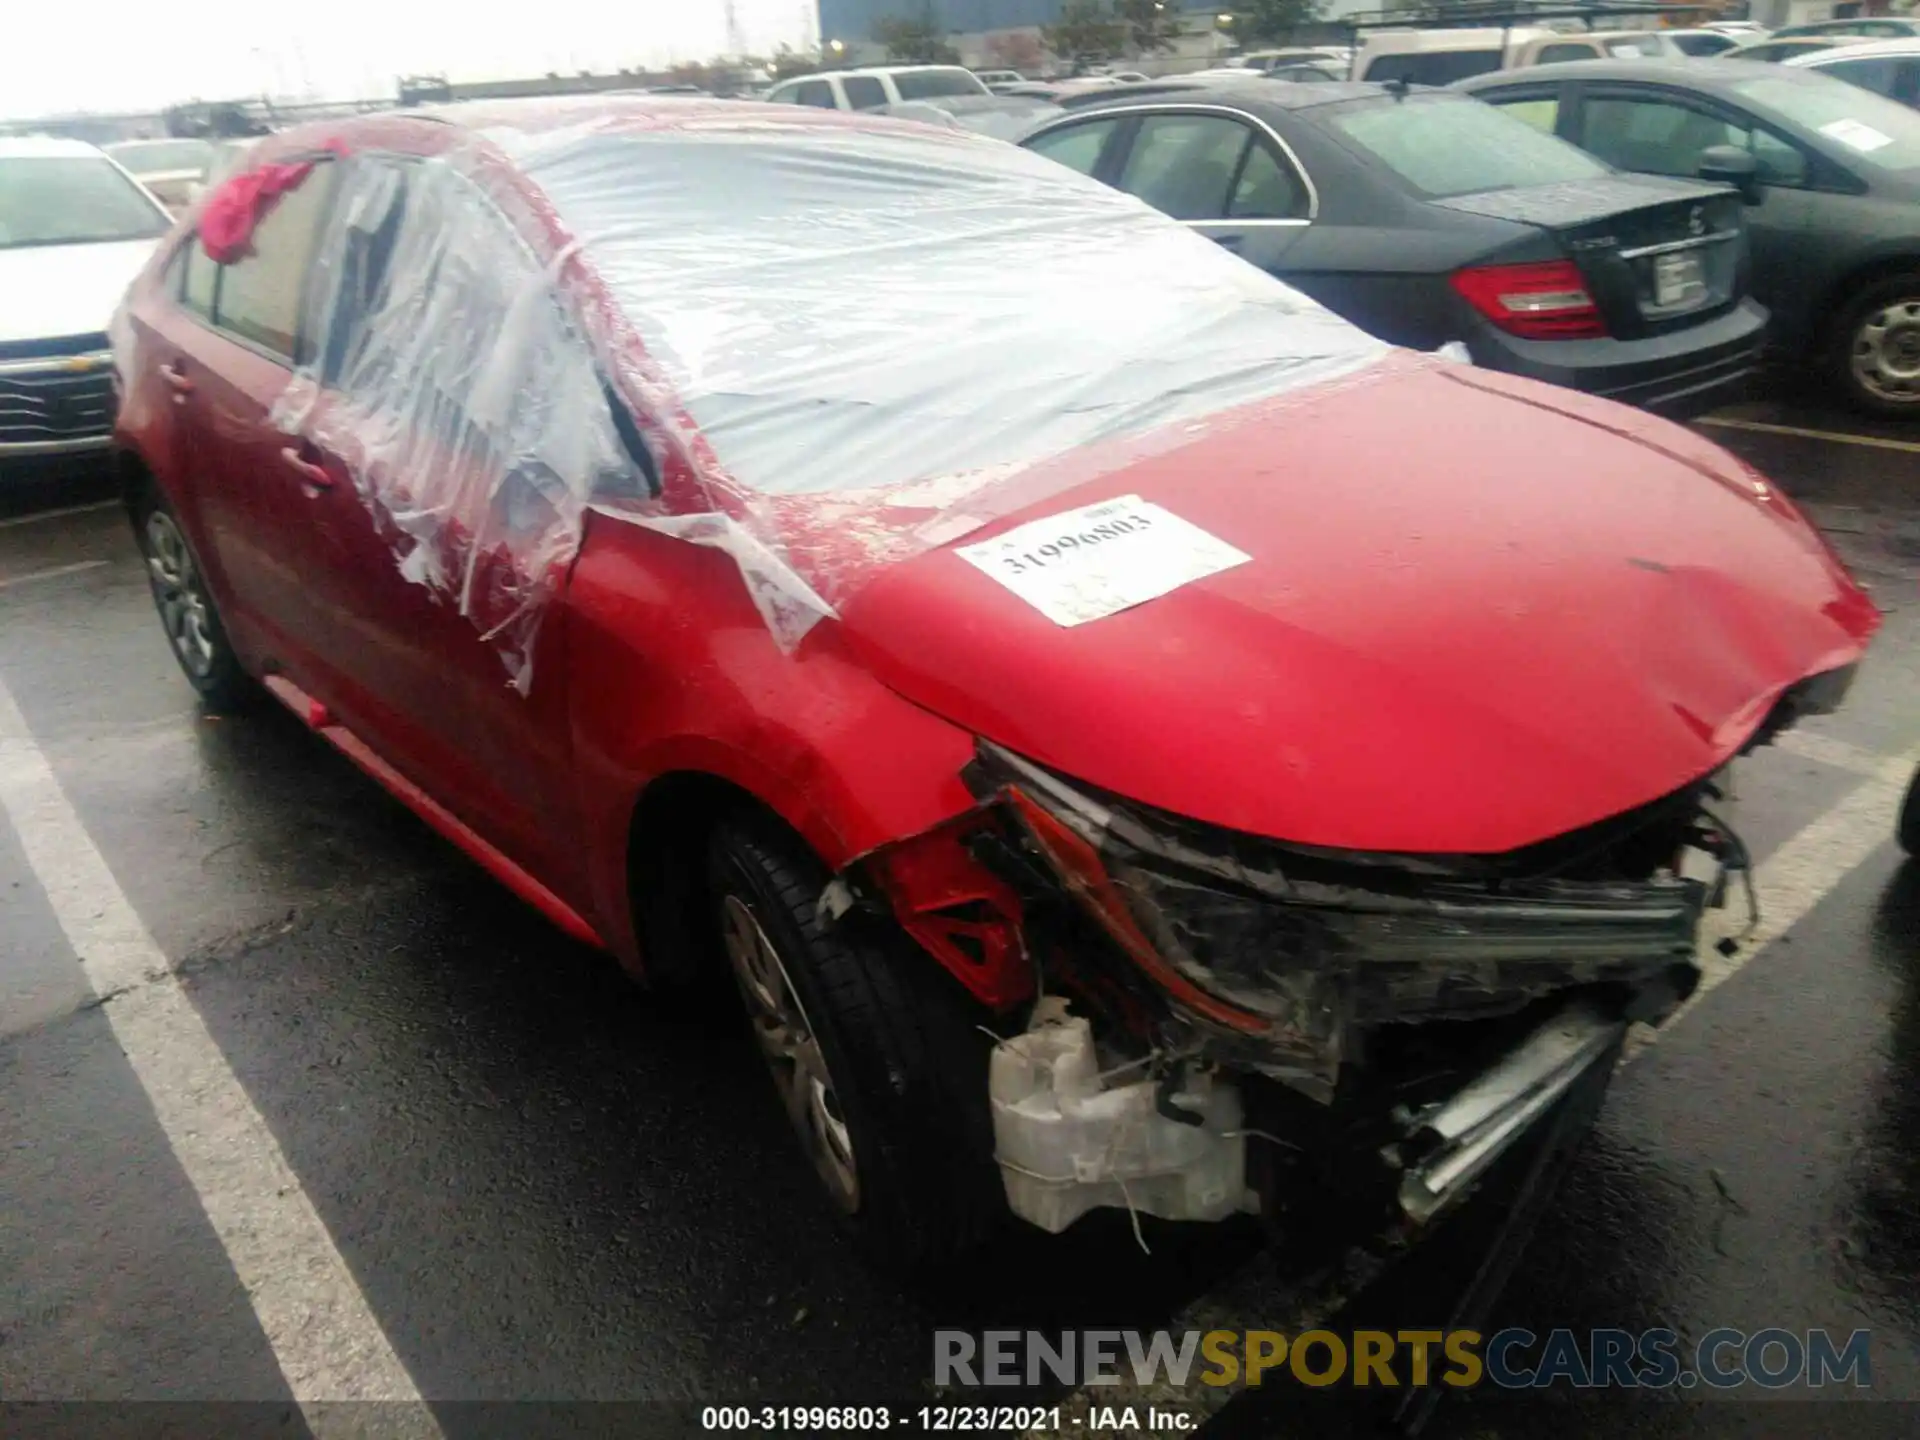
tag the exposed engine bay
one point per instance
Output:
(1218, 1022)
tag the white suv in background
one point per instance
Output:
(74, 230)
(879, 85)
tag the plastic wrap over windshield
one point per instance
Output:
(840, 345)
(874, 336)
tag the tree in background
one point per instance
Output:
(1086, 29)
(1257, 21)
(915, 41)
(1017, 50)
(1150, 24)
(788, 62)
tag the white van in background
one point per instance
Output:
(877, 85)
(1440, 57)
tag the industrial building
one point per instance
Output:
(972, 26)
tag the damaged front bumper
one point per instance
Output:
(1400, 1022)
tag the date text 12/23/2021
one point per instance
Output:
(945, 1419)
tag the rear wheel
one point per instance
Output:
(873, 1051)
(1876, 357)
(187, 614)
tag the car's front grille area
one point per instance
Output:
(38, 406)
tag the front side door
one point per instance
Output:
(464, 422)
(1667, 132)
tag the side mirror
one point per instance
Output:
(1730, 165)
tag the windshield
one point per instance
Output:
(845, 310)
(1444, 146)
(154, 157)
(1867, 127)
(72, 200)
(926, 84)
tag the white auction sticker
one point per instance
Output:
(1100, 559)
(1856, 134)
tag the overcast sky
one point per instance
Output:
(140, 55)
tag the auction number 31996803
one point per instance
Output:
(1017, 1419)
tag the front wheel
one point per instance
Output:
(873, 1052)
(1908, 830)
(187, 614)
(1876, 356)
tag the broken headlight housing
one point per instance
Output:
(1284, 951)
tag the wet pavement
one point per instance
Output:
(550, 1185)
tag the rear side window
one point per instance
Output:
(864, 92)
(1267, 190)
(1185, 164)
(259, 297)
(196, 290)
(1647, 46)
(1565, 50)
(1433, 67)
(1880, 74)
(929, 84)
(1444, 146)
(1077, 147)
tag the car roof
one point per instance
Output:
(1672, 70)
(1814, 59)
(1247, 94)
(536, 114)
(20, 147)
(870, 70)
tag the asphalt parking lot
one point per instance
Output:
(507, 1175)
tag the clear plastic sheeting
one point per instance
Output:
(841, 344)
(872, 334)
(466, 406)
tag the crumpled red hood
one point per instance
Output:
(1480, 612)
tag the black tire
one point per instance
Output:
(188, 617)
(906, 1066)
(1873, 359)
(1908, 831)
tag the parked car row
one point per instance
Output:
(1134, 739)
(1830, 173)
(1429, 219)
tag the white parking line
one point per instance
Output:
(1838, 437)
(52, 572)
(326, 1340)
(1842, 754)
(39, 515)
(1788, 884)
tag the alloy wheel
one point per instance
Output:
(181, 595)
(1885, 353)
(792, 1051)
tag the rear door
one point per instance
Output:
(1661, 131)
(233, 363)
(1218, 169)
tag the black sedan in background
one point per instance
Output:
(1832, 172)
(1428, 218)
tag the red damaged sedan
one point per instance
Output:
(1108, 713)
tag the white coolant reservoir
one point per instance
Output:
(1066, 1143)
